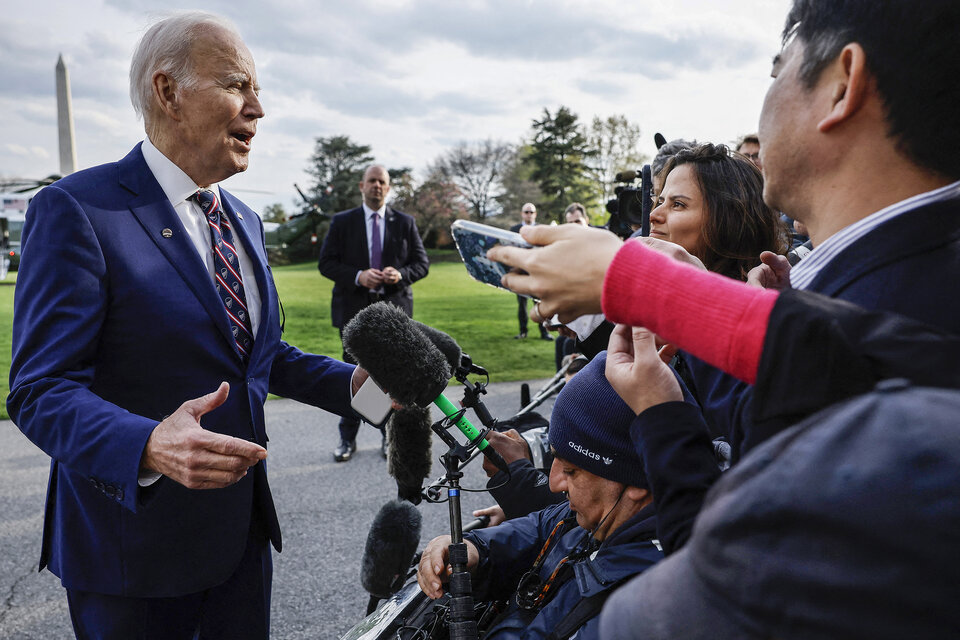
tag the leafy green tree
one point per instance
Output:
(559, 153)
(517, 186)
(274, 213)
(337, 166)
(614, 141)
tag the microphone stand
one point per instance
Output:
(463, 625)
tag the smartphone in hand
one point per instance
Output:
(474, 240)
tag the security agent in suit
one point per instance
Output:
(127, 371)
(528, 216)
(371, 253)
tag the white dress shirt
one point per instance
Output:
(368, 220)
(179, 187)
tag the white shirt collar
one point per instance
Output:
(176, 184)
(367, 211)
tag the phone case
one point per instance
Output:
(473, 240)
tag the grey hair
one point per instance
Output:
(667, 151)
(166, 47)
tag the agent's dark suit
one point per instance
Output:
(116, 324)
(345, 252)
(522, 316)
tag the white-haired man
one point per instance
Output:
(144, 306)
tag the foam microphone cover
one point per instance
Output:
(396, 354)
(447, 345)
(410, 457)
(391, 545)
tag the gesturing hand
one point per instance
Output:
(182, 450)
(636, 370)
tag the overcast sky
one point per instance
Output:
(409, 78)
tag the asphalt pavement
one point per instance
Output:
(325, 511)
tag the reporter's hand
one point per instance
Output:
(370, 278)
(510, 445)
(495, 513)
(433, 569)
(184, 451)
(636, 371)
(671, 249)
(561, 289)
(772, 273)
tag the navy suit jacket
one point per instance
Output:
(345, 252)
(115, 326)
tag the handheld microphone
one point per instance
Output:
(407, 365)
(391, 544)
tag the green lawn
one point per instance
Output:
(483, 320)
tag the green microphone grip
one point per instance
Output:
(470, 431)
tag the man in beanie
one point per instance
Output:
(557, 566)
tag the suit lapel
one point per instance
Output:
(390, 234)
(363, 247)
(912, 232)
(150, 206)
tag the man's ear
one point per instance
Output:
(643, 497)
(166, 94)
(851, 86)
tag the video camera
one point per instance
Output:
(633, 203)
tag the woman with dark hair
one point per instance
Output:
(712, 205)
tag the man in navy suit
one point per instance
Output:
(145, 340)
(371, 253)
(528, 218)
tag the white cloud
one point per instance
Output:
(408, 77)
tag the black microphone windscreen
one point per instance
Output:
(391, 545)
(396, 354)
(447, 345)
(409, 459)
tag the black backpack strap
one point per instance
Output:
(584, 610)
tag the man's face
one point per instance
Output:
(528, 214)
(375, 187)
(788, 131)
(752, 151)
(575, 215)
(591, 496)
(218, 118)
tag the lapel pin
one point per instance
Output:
(239, 215)
(166, 233)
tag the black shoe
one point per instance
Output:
(344, 450)
(520, 336)
(384, 446)
(546, 336)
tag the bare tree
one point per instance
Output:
(477, 170)
(614, 140)
(435, 204)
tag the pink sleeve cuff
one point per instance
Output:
(717, 319)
